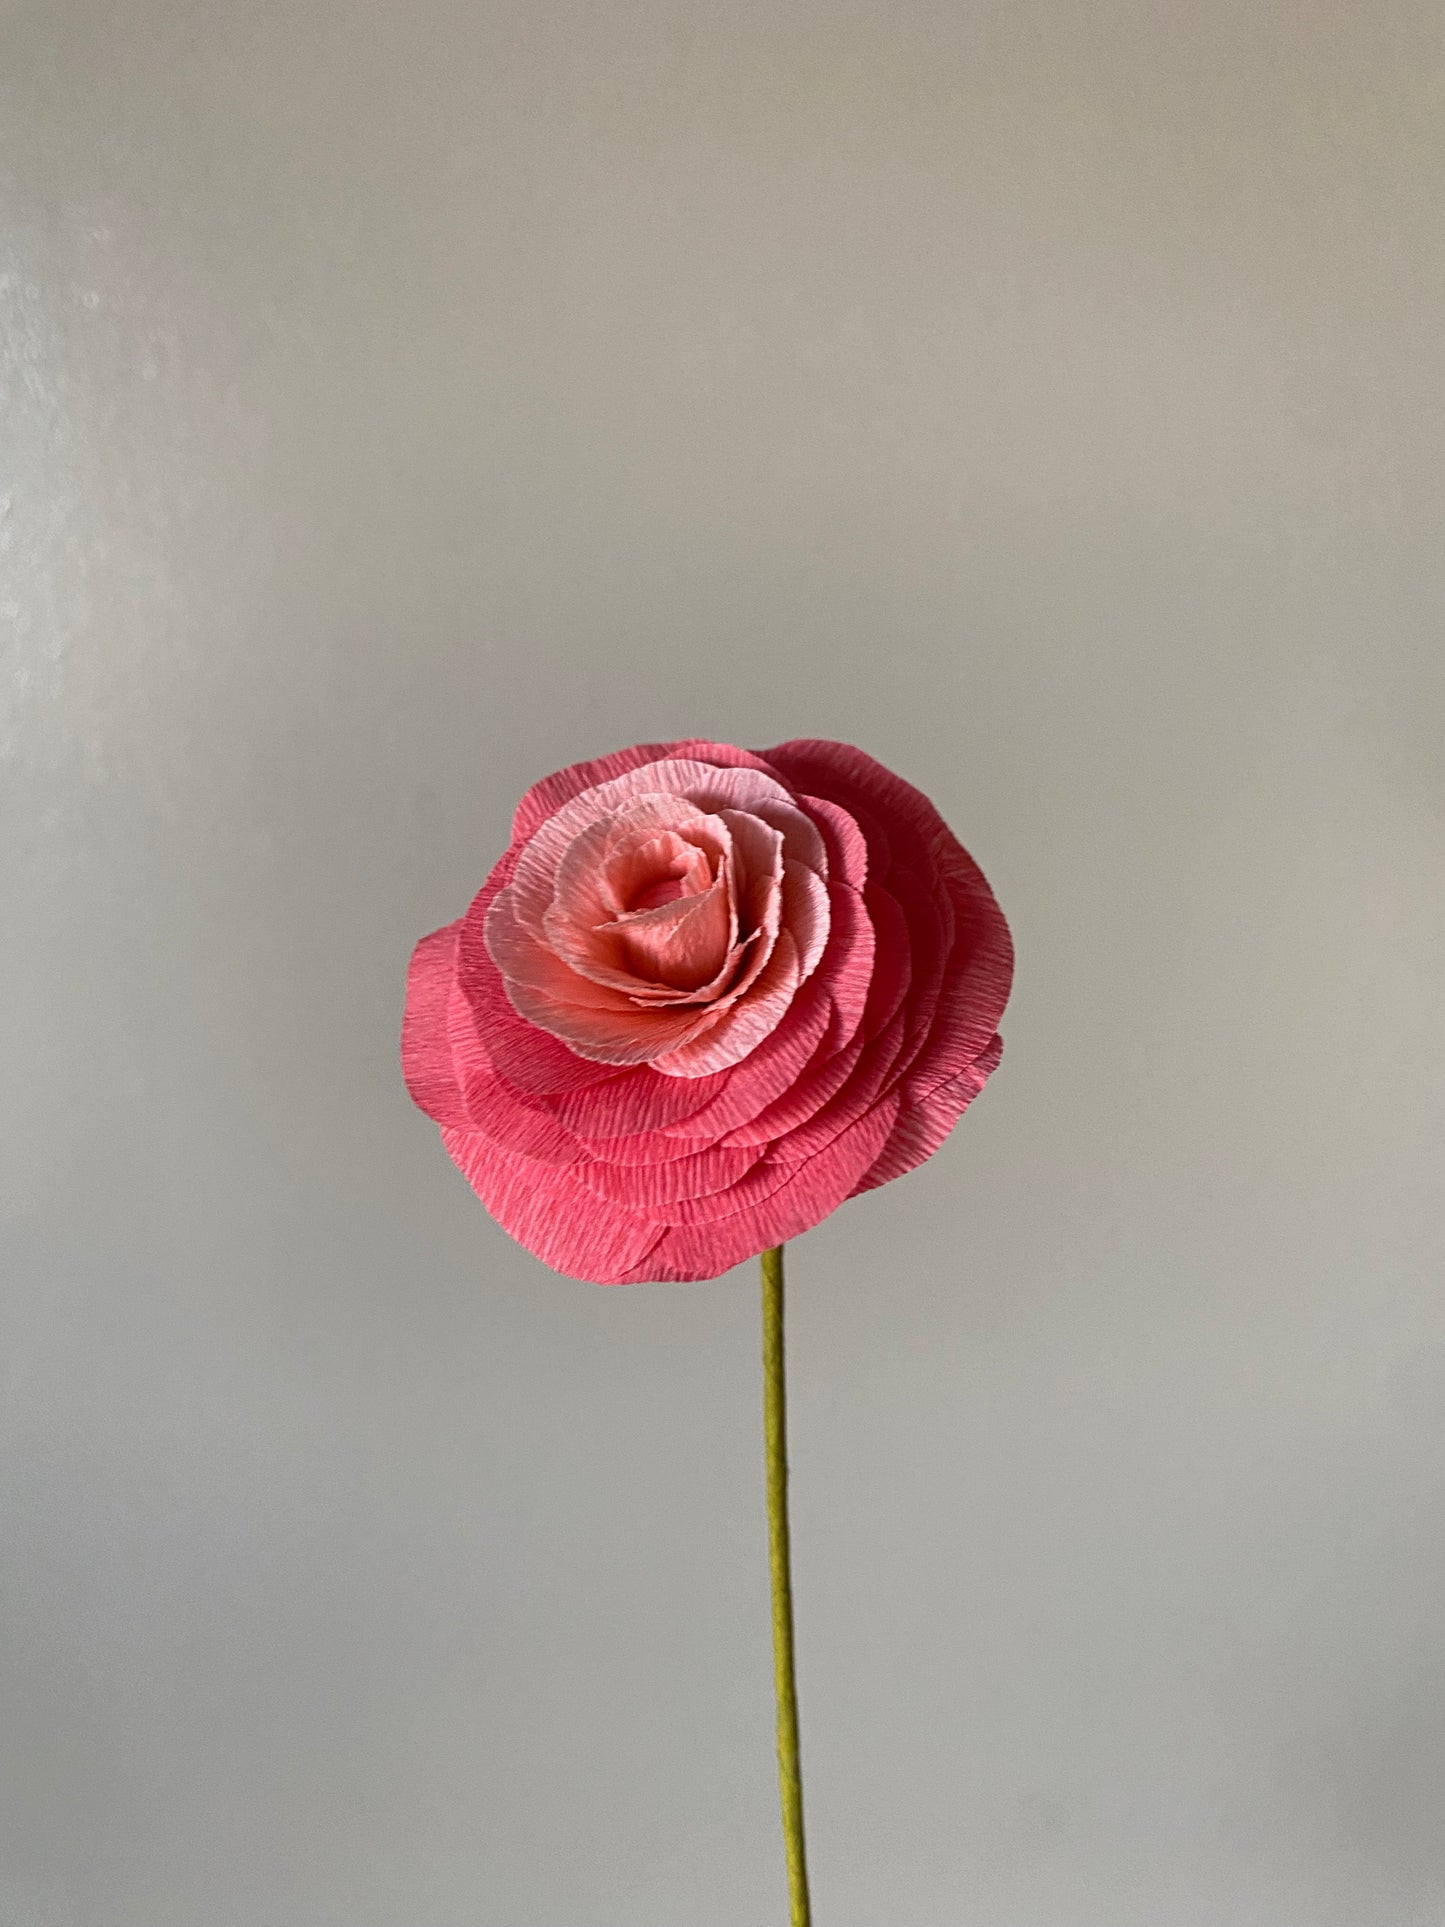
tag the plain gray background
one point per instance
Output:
(403, 401)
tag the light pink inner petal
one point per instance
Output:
(657, 870)
(759, 852)
(595, 864)
(784, 1055)
(686, 944)
(805, 913)
(686, 783)
(606, 1036)
(660, 931)
(743, 1026)
(758, 845)
(716, 786)
(595, 1020)
(529, 963)
(802, 839)
(545, 798)
(649, 912)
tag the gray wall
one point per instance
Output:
(403, 401)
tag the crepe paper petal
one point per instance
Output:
(492, 1105)
(653, 1187)
(819, 1080)
(852, 957)
(706, 995)
(745, 1021)
(709, 788)
(843, 841)
(893, 965)
(547, 1209)
(544, 799)
(780, 1059)
(593, 1021)
(529, 1058)
(806, 912)
(690, 1252)
(625, 892)
(426, 1054)
(873, 1075)
(862, 784)
(924, 1125)
(803, 839)
(641, 1100)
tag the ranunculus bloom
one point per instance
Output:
(705, 996)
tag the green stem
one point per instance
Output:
(775, 1427)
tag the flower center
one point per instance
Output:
(660, 871)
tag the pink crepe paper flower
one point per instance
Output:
(706, 995)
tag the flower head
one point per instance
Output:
(706, 995)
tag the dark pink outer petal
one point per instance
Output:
(655, 1188)
(552, 1213)
(641, 1101)
(871, 793)
(979, 976)
(923, 1126)
(426, 1053)
(783, 1056)
(623, 1174)
(961, 984)
(812, 1191)
(492, 1106)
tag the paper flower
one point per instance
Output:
(706, 995)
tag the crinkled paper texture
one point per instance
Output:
(706, 995)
